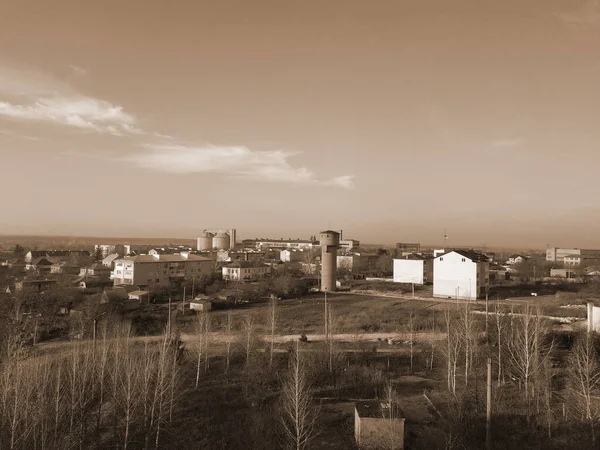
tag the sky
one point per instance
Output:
(391, 120)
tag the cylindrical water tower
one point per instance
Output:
(204, 242)
(221, 241)
(330, 242)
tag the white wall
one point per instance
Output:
(454, 276)
(408, 271)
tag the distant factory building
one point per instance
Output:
(330, 243)
(413, 268)
(262, 243)
(571, 256)
(461, 274)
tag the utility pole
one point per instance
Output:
(487, 336)
(169, 318)
(488, 422)
(326, 318)
(413, 289)
(183, 302)
(94, 332)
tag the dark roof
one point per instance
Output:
(41, 261)
(471, 254)
(416, 256)
(36, 253)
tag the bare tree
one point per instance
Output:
(199, 347)
(451, 351)
(584, 379)
(228, 342)
(411, 338)
(298, 412)
(272, 324)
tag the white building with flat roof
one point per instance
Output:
(461, 274)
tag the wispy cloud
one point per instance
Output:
(33, 96)
(587, 15)
(507, 142)
(78, 70)
(20, 136)
(238, 161)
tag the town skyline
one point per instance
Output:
(391, 122)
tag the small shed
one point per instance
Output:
(201, 304)
(378, 425)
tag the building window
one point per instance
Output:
(441, 259)
(463, 260)
(157, 280)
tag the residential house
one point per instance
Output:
(292, 255)
(40, 265)
(95, 270)
(413, 268)
(515, 259)
(152, 272)
(245, 271)
(460, 274)
(110, 259)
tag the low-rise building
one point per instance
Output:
(460, 274)
(290, 255)
(245, 271)
(515, 259)
(414, 268)
(356, 262)
(96, 269)
(152, 272)
(378, 425)
(40, 265)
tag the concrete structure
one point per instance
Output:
(261, 244)
(417, 269)
(460, 274)
(245, 271)
(377, 426)
(230, 255)
(160, 271)
(204, 242)
(330, 242)
(348, 245)
(217, 239)
(593, 317)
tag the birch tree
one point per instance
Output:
(298, 412)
